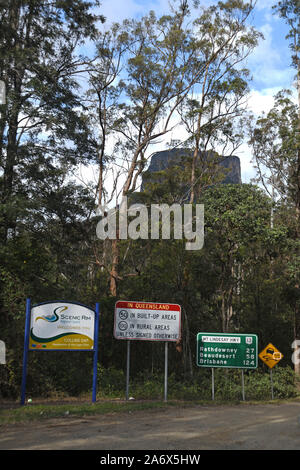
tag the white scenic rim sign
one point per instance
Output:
(148, 321)
(61, 325)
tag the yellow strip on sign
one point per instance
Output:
(69, 341)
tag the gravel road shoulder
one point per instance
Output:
(240, 427)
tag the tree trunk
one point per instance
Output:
(14, 75)
(114, 267)
(227, 309)
(188, 364)
(193, 173)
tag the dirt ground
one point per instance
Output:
(240, 427)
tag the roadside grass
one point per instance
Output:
(40, 412)
(148, 392)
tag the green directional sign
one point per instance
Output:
(227, 350)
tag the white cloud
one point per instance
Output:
(116, 11)
(268, 63)
(264, 4)
(261, 101)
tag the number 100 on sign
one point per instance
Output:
(227, 350)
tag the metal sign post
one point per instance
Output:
(95, 361)
(25, 352)
(271, 379)
(243, 385)
(212, 383)
(166, 372)
(127, 370)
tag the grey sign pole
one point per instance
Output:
(166, 371)
(272, 390)
(212, 383)
(127, 370)
(243, 385)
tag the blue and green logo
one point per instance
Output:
(52, 317)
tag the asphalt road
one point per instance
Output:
(240, 427)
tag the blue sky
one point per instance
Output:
(269, 64)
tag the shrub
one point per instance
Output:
(227, 382)
(111, 381)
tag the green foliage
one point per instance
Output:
(227, 383)
(245, 277)
(111, 381)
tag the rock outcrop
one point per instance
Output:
(227, 166)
